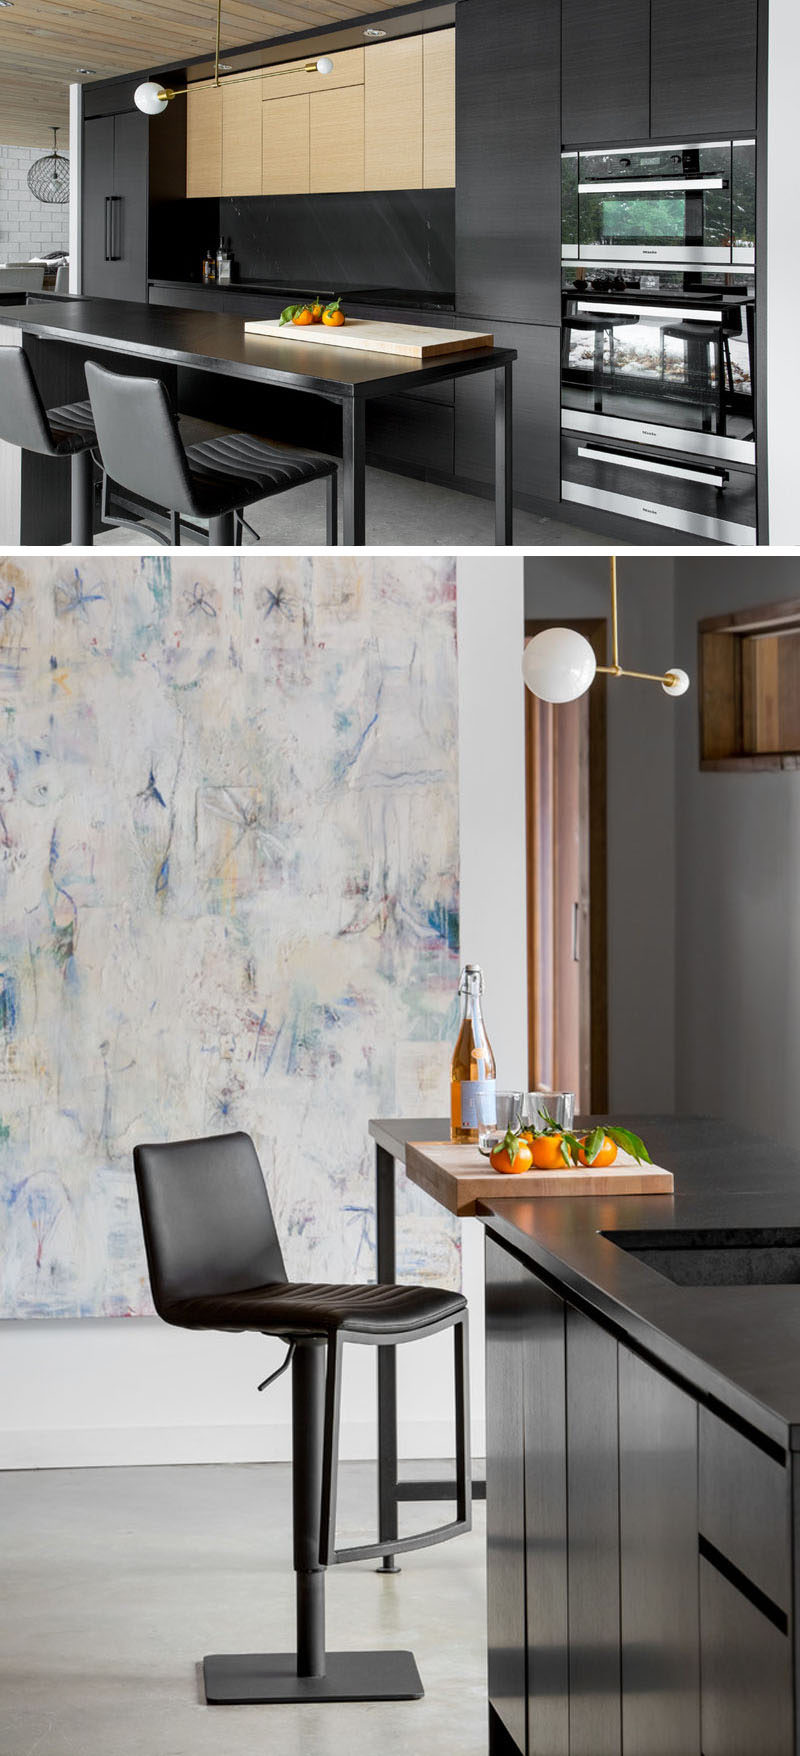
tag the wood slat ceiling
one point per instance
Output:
(44, 42)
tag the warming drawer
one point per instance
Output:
(699, 497)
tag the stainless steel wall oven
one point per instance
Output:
(658, 338)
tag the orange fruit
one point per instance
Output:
(303, 318)
(547, 1154)
(333, 319)
(605, 1156)
(501, 1160)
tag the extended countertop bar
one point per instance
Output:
(216, 343)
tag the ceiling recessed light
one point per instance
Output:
(370, 32)
(86, 70)
(225, 67)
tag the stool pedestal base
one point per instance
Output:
(260, 1678)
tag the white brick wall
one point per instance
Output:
(27, 227)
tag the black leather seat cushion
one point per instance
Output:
(237, 469)
(298, 1309)
(72, 427)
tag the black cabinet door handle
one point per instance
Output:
(116, 228)
(107, 219)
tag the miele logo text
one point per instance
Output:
(652, 510)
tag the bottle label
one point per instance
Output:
(478, 1106)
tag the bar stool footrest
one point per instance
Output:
(260, 1678)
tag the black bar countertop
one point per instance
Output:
(218, 342)
(738, 1346)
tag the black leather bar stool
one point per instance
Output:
(599, 324)
(703, 344)
(215, 1263)
(143, 452)
(67, 431)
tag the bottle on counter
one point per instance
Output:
(224, 264)
(209, 268)
(472, 1070)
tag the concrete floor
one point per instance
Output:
(401, 512)
(116, 1582)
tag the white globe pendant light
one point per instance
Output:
(324, 64)
(559, 665)
(150, 98)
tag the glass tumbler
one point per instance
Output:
(558, 1105)
(508, 1113)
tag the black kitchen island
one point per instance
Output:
(289, 380)
(643, 1426)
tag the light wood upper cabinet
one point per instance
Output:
(241, 137)
(337, 139)
(393, 115)
(204, 140)
(439, 109)
(285, 142)
(289, 79)
(383, 119)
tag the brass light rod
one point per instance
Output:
(166, 93)
(615, 669)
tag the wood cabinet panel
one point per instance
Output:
(508, 165)
(241, 137)
(703, 68)
(605, 71)
(439, 109)
(393, 114)
(747, 1674)
(595, 1721)
(658, 1563)
(286, 146)
(289, 79)
(545, 1422)
(506, 1289)
(204, 141)
(337, 139)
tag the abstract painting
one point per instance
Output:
(228, 899)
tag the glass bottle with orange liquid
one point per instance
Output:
(472, 1070)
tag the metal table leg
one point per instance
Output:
(390, 1489)
(503, 457)
(353, 473)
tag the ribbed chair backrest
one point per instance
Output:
(23, 418)
(207, 1219)
(137, 431)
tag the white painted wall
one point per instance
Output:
(27, 227)
(783, 268)
(75, 185)
(116, 1392)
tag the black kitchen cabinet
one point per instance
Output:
(595, 1727)
(605, 71)
(115, 206)
(703, 68)
(660, 1621)
(507, 1284)
(747, 1674)
(508, 137)
(537, 413)
(545, 1422)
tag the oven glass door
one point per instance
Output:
(678, 375)
(668, 204)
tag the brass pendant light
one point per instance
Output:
(152, 98)
(559, 664)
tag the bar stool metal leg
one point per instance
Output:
(81, 470)
(331, 511)
(310, 1674)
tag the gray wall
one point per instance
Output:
(641, 812)
(738, 892)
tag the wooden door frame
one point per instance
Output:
(595, 630)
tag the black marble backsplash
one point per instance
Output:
(401, 238)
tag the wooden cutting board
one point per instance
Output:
(411, 339)
(459, 1176)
